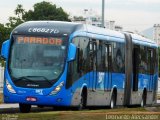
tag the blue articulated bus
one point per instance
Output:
(52, 63)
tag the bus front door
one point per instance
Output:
(108, 67)
(93, 67)
(136, 60)
(150, 69)
(92, 72)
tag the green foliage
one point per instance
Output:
(45, 11)
(2, 62)
(13, 22)
(19, 11)
(4, 33)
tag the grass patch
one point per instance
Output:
(1, 98)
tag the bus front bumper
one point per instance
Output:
(56, 100)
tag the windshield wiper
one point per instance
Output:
(40, 77)
(44, 79)
(28, 78)
(24, 78)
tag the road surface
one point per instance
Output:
(8, 106)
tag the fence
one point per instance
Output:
(1, 76)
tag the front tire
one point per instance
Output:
(24, 108)
(113, 101)
(143, 102)
(83, 101)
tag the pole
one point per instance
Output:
(85, 11)
(103, 6)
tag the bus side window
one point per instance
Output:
(78, 60)
(100, 66)
(90, 51)
(93, 55)
(106, 58)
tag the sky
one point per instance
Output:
(132, 15)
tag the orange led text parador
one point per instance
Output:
(39, 40)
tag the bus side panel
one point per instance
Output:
(102, 94)
(151, 96)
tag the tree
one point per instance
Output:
(46, 11)
(19, 11)
(4, 33)
(13, 22)
(3, 36)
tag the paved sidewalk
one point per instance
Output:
(4, 106)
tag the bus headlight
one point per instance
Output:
(9, 87)
(57, 89)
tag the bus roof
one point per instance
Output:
(142, 40)
(35, 28)
(60, 28)
(103, 31)
(55, 28)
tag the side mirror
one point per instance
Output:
(5, 49)
(71, 52)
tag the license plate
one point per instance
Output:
(31, 99)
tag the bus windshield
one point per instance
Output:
(38, 58)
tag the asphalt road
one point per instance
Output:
(15, 106)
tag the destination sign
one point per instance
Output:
(39, 40)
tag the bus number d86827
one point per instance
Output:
(43, 30)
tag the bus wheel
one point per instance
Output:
(143, 102)
(113, 101)
(82, 104)
(24, 108)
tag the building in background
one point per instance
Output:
(148, 33)
(156, 33)
(153, 33)
(97, 21)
